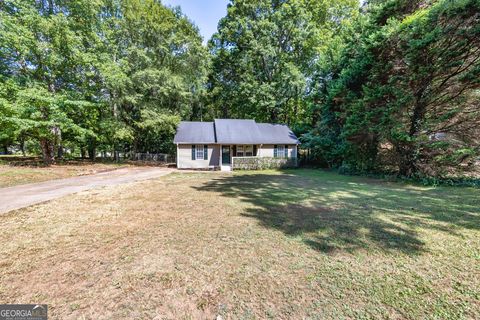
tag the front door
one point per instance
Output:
(225, 155)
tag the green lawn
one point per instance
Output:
(383, 248)
(249, 245)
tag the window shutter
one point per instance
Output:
(286, 151)
(205, 152)
(255, 150)
(193, 152)
(275, 151)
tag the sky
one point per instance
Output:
(204, 13)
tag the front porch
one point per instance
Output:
(242, 154)
(228, 152)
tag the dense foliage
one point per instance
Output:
(265, 53)
(403, 96)
(96, 75)
(377, 86)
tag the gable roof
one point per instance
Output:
(233, 131)
(195, 132)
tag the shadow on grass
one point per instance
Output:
(330, 212)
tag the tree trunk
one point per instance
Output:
(82, 152)
(57, 142)
(417, 118)
(407, 151)
(92, 150)
(60, 152)
(135, 145)
(22, 147)
(225, 112)
(115, 155)
(5, 149)
(273, 116)
(407, 166)
(47, 151)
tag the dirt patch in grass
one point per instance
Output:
(297, 244)
(16, 175)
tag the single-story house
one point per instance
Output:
(216, 145)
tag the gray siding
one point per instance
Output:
(184, 157)
(267, 151)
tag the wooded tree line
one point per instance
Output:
(384, 85)
(403, 94)
(96, 75)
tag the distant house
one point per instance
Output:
(217, 144)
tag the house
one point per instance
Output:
(227, 143)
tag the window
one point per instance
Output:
(240, 151)
(199, 152)
(245, 151)
(281, 151)
(248, 151)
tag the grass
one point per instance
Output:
(16, 175)
(280, 245)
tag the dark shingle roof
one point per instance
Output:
(195, 132)
(276, 134)
(234, 131)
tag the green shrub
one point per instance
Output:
(262, 163)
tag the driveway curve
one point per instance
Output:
(22, 196)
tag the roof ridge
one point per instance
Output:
(216, 119)
(214, 132)
(187, 121)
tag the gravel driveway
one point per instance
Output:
(26, 195)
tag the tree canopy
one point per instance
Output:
(378, 86)
(265, 53)
(403, 95)
(107, 75)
